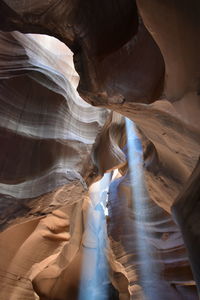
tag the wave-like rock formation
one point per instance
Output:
(71, 72)
(164, 182)
(43, 146)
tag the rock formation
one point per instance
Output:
(71, 72)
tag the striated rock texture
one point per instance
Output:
(187, 215)
(108, 43)
(47, 131)
(136, 59)
(163, 235)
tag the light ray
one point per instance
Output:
(148, 269)
(94, 276)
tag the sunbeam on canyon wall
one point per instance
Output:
(149, 272)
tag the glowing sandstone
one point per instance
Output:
(54, 145)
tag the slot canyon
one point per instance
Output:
(99, 150)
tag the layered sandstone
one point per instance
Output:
(136, 59)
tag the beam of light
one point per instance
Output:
(94, 275)
(148, 270)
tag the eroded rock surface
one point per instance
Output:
(136, 59)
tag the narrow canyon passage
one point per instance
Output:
(99, 150)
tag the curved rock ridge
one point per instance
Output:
(136, 58)
(171, 148)
(37, 244)
(61, 239)
(187, 215)
(177, 41)
(169, 139)
(48, 70)
(46, 129)
(171, 270)
(109, 55)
